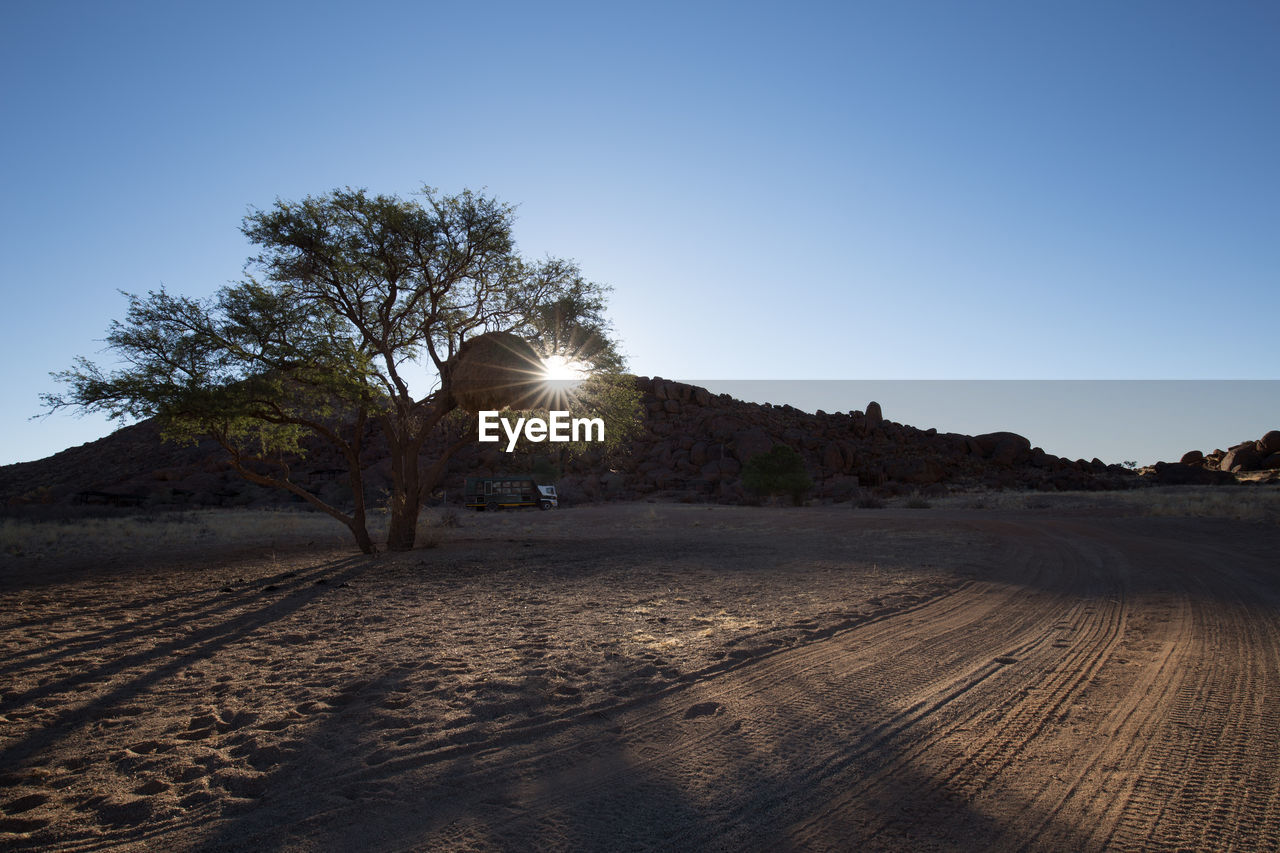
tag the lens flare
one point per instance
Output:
(559, 368)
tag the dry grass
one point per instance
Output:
(159, 534)
(162, 533)
(1245, 503)
(1259, 504)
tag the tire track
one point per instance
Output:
(1045, 683)
(986, 622)
(1206, 784)
(1106, 684)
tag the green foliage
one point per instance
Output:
(353, 288)
(780, 471)
(544, 470)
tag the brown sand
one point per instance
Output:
(659, 677)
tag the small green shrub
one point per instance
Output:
(780, 471)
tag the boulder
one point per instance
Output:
(749, 442)
(1269, 443)
(849, 454)
(1004, 448)
(832, 458)
(1171, 474)
(873, 417)
(1271, 463)
(839, 489)
(1242, 458)
(719, 469)
(698, 453)
(1192, 457)
(915, 470)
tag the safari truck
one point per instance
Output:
(494, 493)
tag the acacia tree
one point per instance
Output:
(353, 295)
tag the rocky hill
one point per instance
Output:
(1248, 461)
(695, 443)
(691, 447)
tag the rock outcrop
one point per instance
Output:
(691, 446)
(1262, 454)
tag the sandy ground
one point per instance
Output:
(655, 677)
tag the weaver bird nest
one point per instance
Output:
(496, 370)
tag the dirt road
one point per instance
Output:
(1111, 685)
(1089, 683)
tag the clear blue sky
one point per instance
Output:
(891, 190)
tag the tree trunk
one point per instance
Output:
(359, 525)
(403, 526)
(406, 500)
(406, 431)
(363, 542)
(355, 524)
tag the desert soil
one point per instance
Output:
(654, 677)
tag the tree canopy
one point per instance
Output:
(352, 301)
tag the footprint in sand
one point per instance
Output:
(231, 721)
(704, 709)
(150, 789)
(190, 774)
(125, 810)
(247, 784)
(148, 747)
(280, 724)
(199, 728)
(24, 804)
(313, 708)
(196, 798)
(21, 825)
(267, 757)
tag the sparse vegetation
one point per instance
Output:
(780, 471)
(867, 500)
(1259, 504)
(161, 534)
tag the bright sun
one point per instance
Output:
(558, 368)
